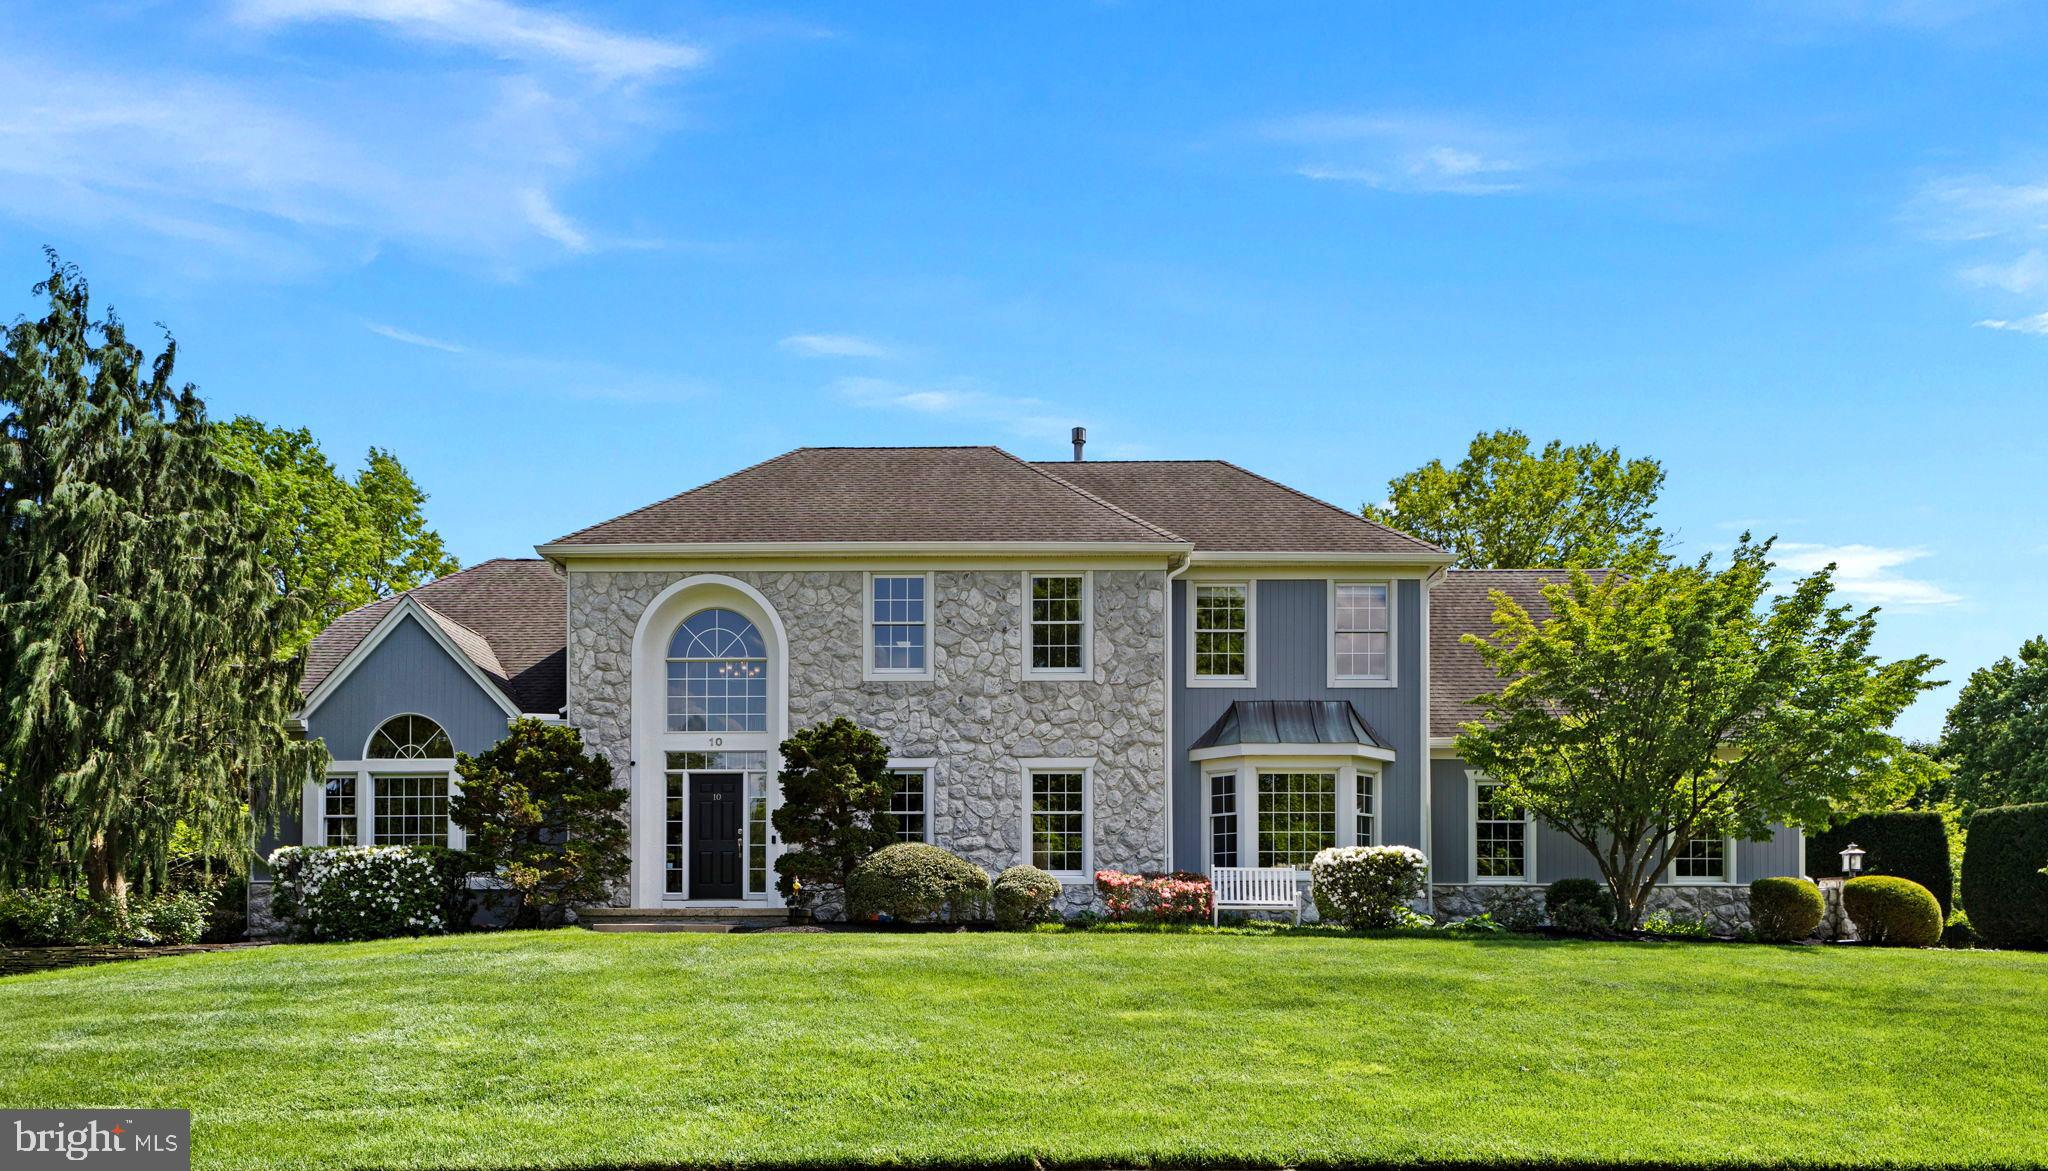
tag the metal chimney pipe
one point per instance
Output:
(1080, 441)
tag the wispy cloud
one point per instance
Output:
(2022, 275)
(2037, 324)
(2004, 217)
(1408, 153)
(413, 339)
(550, 222)
(1867, 573)
(835, 345)
(1030, 418)
(505, 30)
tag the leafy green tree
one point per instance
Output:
(544, 815)
(1995, 740)
(143, 680)
(835, 806)
(337, 544)
(1654, 708)
(1504, 507)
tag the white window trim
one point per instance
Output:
(313, 808)
(1727, 866)
(1528, 875)
(1246, 767)
(929, 766)
(1086, 767)
(1087, 667)
(1250, 678)
(1378, 800)
(1393, 633)
(873, 674)
(1210, 817)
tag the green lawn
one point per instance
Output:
(574, 1049)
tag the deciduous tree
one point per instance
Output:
(1996, 738)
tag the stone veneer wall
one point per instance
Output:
(976, 717)
(1725, 908)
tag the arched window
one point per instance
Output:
(410, 738)
(717, 675)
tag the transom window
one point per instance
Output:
(1058, 612)
(411, 811)
(1362, 631)
(1223, 819)
(338, 812)
(1059, 821)
(898, 624)
(1222, 630)
(1500, 836)
(409, 738)
(1297, 817)
(909, 800)
(1365, 809)
(717, 675)
(1701, 860)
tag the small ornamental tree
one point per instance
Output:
(545, 816)
(835, 806)
(1655, 708)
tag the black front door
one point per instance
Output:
(715, 835)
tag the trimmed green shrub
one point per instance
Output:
(913, 882)
(1893, 912)
(2002, 881)
(355, 892)
(1582, 906)
(1904, 844)
(1958, 933)
(1785, 910)
(1667, 922)
(1366, 886)
(1025, 895)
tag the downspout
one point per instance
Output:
(1176, 565)
(1428, 763)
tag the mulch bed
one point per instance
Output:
(16, 960)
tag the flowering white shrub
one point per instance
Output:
(355, 892)
(1367, 886)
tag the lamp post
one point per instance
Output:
(1852, 860)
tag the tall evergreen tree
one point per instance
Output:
(142, 681)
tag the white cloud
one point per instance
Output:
(2023, 275)
(414, 339)
(1866, 573)
(1420, 154)
(505, 30)
(835, 345)
(2037, 324)
(550, 222)
(1973, 207)
(1030, 418)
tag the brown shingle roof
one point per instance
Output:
(506, 615)
(1222, 507)
(1461, 603)
(833, 494)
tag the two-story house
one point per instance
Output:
(1141, 665)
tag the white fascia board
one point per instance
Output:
(1318, 751)
(1420, 560)
(406, 608)
(700, 549)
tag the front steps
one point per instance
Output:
(707, 920)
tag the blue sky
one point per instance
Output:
(566, 259)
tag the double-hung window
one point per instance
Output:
(1701, 860)
(1223, 819)
(899, 626)
(1056, 623)
(1500, 836)
(338, 812)
(1297, 816)
(1363, 808)
(1221, 640)
(910, 801)
(1361, 633)
(1058, 819)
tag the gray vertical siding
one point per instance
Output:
(1784, 855)
(1450, 822)
(1292, 617)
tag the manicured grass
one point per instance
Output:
(572, 1049)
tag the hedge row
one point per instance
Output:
(1905, 844)
(2003, 886)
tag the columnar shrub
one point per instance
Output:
(1366, 886)
(355, 892)
(1579, 905)
(1179, 897)
(2003, 885)
(913, 882)
(1895, 912)
(1025, 895)
(1904, 844)
(1783, 910)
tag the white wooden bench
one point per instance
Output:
(1254, 888)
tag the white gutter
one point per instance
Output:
(559, 550)
(1166, 743)
(1312, 557)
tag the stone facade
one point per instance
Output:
(977, 717)
(1725, 908)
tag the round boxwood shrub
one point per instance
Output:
(1582, 906)
(1783, 910)
(1902, 843)
(913, 882)
(2002, 881)
(1025, 895)
(1895, 912)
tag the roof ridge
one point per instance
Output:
(1076, 488)
(1344, 512)
(678, 496)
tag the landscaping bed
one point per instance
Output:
(576, 1049)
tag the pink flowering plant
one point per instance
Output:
(1154, 898)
